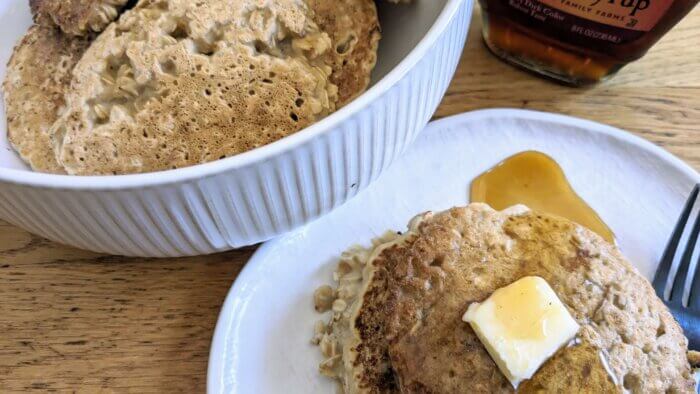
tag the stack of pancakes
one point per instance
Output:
(397, 326)
(118, 86)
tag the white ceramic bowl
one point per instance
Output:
(257, 195)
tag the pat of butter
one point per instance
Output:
(522, 325)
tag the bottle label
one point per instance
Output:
(614, 21)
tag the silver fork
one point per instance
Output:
(688, 316)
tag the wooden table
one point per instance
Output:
(71, 320)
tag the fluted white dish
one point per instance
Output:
(259, 194)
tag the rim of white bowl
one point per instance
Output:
(231, 305)
(204, 170)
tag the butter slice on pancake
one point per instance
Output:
(77, 17)
(402, 330)
(176, 83)
(37, 76)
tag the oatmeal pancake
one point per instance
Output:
(176, 83)
(407, 307)
(38, 74)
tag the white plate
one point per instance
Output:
(261, 343)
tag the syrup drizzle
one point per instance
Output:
(536, 180)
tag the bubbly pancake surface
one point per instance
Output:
(176, 83)
(413, 294)
(38, 74)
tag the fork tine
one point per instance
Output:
(694, 296)
(666, 262)
(682, 277)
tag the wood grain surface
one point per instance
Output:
(75, 321)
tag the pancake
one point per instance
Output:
(352, 342)
(402, 330)
(353, 26)
(176, 83)
(77, 17)
(38, 73)
(356, 357)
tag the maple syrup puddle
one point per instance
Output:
(536, 180)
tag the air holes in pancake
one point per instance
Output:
(207, 92)
(294, 117)
(438, 261)
(299, 102)
(180, 32)
(168, 67)
(661, 329)
(344, 46)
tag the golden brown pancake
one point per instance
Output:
(402, 330)
(353, 26)
(77, 17)
(176, 83)
(37, 75)
(354, 349)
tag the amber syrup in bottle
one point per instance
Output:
(577, 42)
